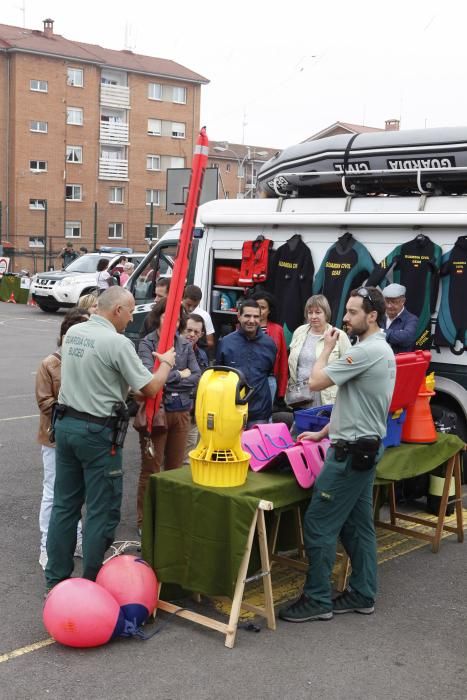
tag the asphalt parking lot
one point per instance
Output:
(413, 647)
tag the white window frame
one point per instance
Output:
(175, 89)
(36, 242)
(37, 169)
(113, 225)
(154, 132)
(37, 204)
(113, 199)
(72, 229)
(77, 111)
(150, 90)
(77, 150)
(150, 198)
(155, 232)
(149, 159)
(75, 189)
(177, 133)
(36, 85)
(72, 81)
(42, 127)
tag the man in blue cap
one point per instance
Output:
(401, 325)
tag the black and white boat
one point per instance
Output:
(427, 161)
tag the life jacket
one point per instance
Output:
(255, 260)
(451, 324)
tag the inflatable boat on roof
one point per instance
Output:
(427, 161)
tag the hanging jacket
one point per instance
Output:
(415, 265)
(346, 266)
(290, 280)
(343, 344)
(255, 261)
(451, 324)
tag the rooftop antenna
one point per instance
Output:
(130, 43)
(244, 124)
(23, 12)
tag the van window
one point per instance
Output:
(160, 265)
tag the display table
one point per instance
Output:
(201, 538)
(408, 461)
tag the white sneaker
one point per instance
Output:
(43, 559)
(78, 550)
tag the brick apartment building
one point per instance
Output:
(86, 137)
(238, 166)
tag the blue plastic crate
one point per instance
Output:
(312, 418)
(394, 429)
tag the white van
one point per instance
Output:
(379, 222)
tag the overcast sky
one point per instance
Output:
(280, 71)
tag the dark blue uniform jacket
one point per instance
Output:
(401, 334)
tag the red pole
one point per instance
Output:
(182, 259)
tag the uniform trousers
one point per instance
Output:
(169, 449)
(341, 506)
(86, 472)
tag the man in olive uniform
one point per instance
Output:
(342, 501)
(98, 366)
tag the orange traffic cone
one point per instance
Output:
(12, 299)
(31, 301)
(419, 426)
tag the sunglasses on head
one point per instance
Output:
(365, 294)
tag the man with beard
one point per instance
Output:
(342, 502)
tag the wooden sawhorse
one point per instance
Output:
(453, 471)
(229, 629)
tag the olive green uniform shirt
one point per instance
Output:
(365, 375)
(98, 367)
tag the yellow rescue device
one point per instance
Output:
(221, 415)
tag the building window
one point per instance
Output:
(178, 130)
(228, 167)
(40, 127)
(36, 242)
(72, 229)
(154, 127)
(113, 153)
(75, 77)
(38, 166)
(73, 193)
(74, 115)
(153, 162)
(115, 230)
(172, 162)
(116, 195)
(179, 95)
(155, 91)
(151, 232)
(38, 85)
(74, 154)
(37, 203)
(153, 197)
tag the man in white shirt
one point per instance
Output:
(190, 302)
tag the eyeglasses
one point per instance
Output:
(365, 294)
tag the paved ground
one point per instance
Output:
(413, 648)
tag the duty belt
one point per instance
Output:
(88, 417)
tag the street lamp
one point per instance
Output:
(241, 161)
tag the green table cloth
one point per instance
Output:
(195, 536)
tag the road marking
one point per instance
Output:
(35, 415)
(25, 650)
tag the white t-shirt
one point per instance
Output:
(102, 279)
(206, 318)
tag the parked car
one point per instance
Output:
(53, 290)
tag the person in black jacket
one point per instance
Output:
(401, 325)
(167, 444)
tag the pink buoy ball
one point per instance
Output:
(79, 613)
(133, 584)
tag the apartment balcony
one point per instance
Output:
(111, 132)
(115, 96)
(113, 169)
